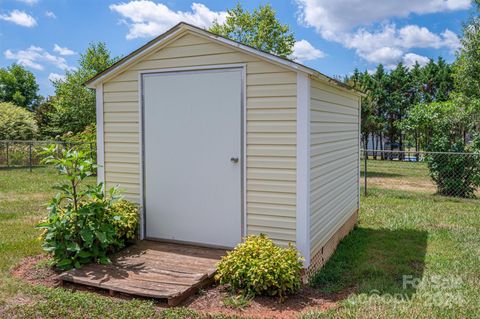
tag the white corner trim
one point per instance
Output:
(244, 152)
(303, 166)
(141, 156)
(100, 137)
(359, 150)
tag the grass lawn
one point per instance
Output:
(433, 241)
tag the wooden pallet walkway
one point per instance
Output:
(152, 269)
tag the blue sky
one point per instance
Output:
(334, 36)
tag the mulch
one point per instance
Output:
(208, 301)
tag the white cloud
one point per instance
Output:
(54, 77)
(385, 44)
(330, 16)
(389, 44)
(50, 14)
(364, 26)
(409, 59)
(451, 40)
(29, 2)
(146, 18)
(20, 18)
(304, 51)
(419, 37)
(63, 51)
(385, 55)
(34, 57)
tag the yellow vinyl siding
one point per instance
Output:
(334, 118)
(271, 130)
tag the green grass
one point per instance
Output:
(430, 238)
(396, 169)
(236, 301)
(400, 233)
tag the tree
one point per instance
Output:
(398, 101)
(379, 99)
(363, 82)
(390, 96)
(438, 81)
(466, 72)
(260, 29)
(74, 104)
(434, 121)
(43, 116)
(16, 123)
(19, 86)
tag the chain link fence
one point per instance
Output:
(443, 173)
(26, 154)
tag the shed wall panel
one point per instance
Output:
(334, 161)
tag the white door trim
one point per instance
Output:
(243, 147)
(303, 166)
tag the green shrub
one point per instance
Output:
(455, 175)
(16, 123)
(259, 267)
(84, 224)
(124, 216)
(87, 136)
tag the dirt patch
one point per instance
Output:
(36, 270)
(210, 301)
(425, 186)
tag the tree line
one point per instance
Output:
(392, 95)
(435, 107)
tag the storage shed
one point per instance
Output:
(217, 140)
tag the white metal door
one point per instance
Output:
(192, 156)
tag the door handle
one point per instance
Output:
(234, 160)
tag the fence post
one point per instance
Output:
(365, 158)
(8, 161)
(30, 156)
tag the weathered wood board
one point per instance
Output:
(152, 269)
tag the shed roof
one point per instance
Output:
(183, 27)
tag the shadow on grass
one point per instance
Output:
(375, 261)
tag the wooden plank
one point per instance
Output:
(152, 269)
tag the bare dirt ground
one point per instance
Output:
(35, 270)
(308, 299)
(414, 185)
(209, 301)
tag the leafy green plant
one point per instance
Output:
(16, 123)
(84, 224)
(260, 29)
(237, 301)
(259, 267)
(87, 136)
(124, 216)
(19, 86)
(455, 175)
(83, 141)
